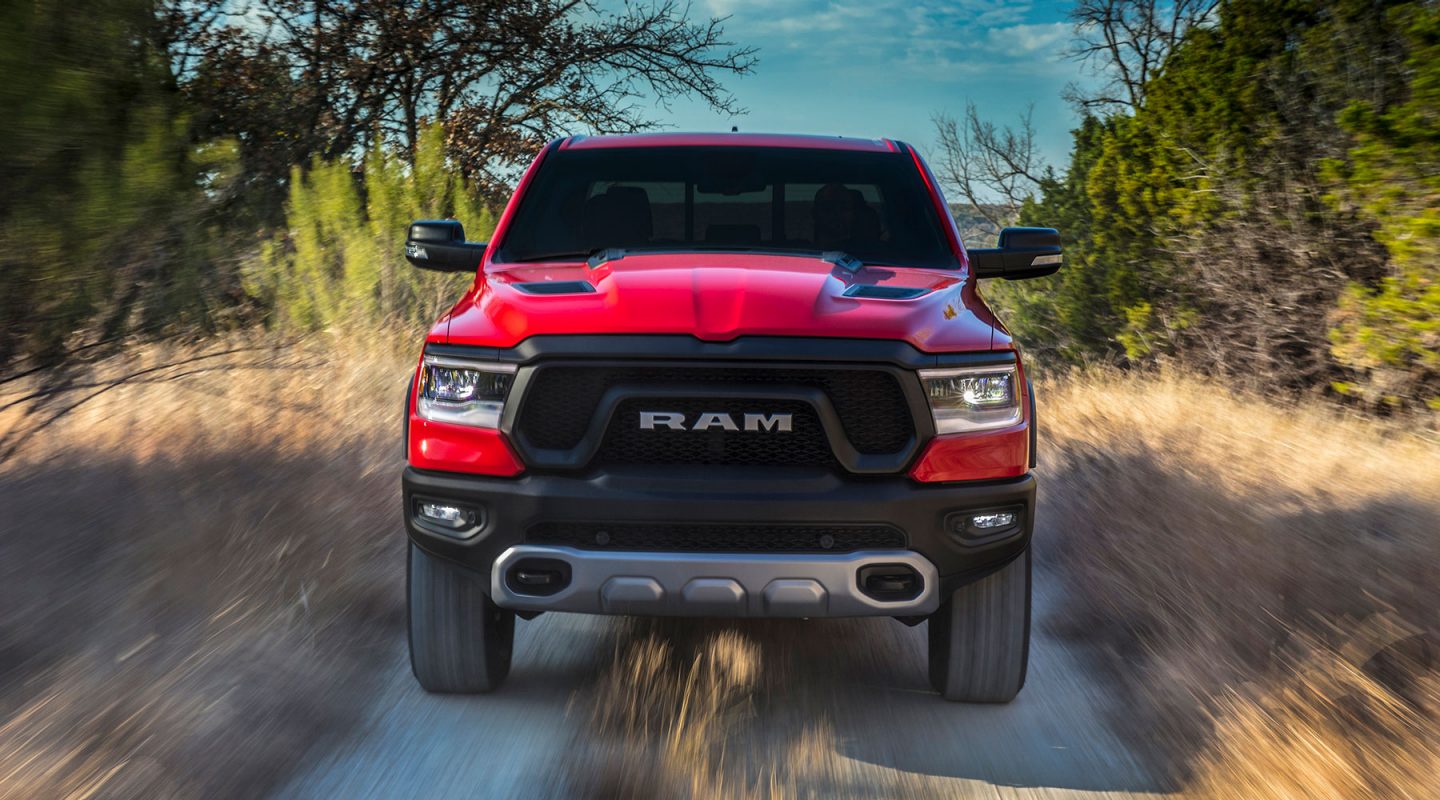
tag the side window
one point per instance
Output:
(835, 215)
(632, 214)
(744, 219)
(799, 216)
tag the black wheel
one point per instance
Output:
(980, 637)
(460, 642)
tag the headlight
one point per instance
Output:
(972, 398)
(464, 392)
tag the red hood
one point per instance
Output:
(718, 297)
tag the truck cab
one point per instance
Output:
(722, 375)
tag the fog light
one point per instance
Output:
(446, 515)
(992, 520)
(985, 526)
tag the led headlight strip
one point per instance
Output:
(464, 392)
(972, 398)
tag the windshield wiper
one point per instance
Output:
(594, 258)
(608, 254)
(843, 260)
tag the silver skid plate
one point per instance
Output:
(715, 584)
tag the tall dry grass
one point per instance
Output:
(199, 553)
(707, 710)
(660, 719)
(1261, 578)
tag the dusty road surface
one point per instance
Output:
(847, 697)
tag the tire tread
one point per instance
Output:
(980, 637)
(460, 642)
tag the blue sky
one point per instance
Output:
(884, 67)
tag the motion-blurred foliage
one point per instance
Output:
(1392, 329)
(102, 215)
(1268, 210)
(339, 257)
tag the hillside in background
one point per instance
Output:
(975, 226)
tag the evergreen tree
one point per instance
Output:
(1282, 152)
(102, 214)
(1389, 330)
(340, 258)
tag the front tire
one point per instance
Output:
(980, 637)
(460, 641)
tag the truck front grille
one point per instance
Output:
(559, 404)
(719, 537)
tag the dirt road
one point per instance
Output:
(889, 735)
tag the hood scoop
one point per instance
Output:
(556, 287)
(876, 292)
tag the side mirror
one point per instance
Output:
(439, 244)
(1023, 253)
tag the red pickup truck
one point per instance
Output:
(723, 375)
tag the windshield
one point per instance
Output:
(873, 206)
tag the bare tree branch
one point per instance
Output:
(994, 168)
(1125, 42)
(296, 78)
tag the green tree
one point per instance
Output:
(296, 79)
(1389, 330)
(1196, 221)
(1063, 316)
(339, 258)
(102, 216)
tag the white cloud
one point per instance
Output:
(1029, 38)
(959, 39)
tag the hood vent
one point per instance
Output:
(875, 292)
(555, 287)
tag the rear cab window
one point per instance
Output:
(872, 206)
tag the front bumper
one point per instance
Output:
(510, 507)
(714, 584)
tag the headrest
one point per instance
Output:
(617, 218)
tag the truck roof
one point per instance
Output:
(805, 141)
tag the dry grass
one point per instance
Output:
(198, 565)
(1328, 730)
(661, 720)
(1261, 579)
(702, 709)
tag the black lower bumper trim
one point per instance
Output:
(720, 497)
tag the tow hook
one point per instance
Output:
(538, 576)
(890, 582)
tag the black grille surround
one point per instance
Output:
(733, 537)
(560, 400)
(860, 418)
